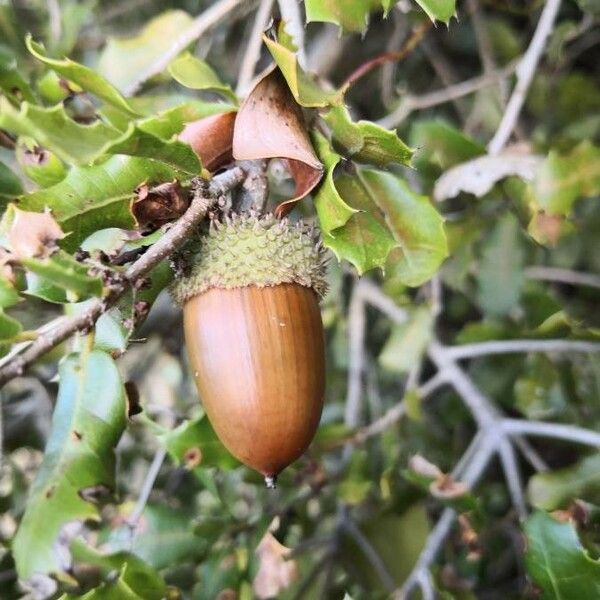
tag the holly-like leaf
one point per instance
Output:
(407, 343)
(163, 537)
(331, 209)
(136, 580)
(97, 197)
(40, 165)
(562, 179)
(63, 271)
(364, 240)
(350, 16)
(194, 443)
(501, 274)
(10, 184)
(82, 144)
(86, 78)
(12, 83)
(557, 562)
(555, 489)
(196, 74)
(365, 141)
(78, 469)
(51, 128)
(417, 227)
(123, 59)
(9, 329)
(440, 10)
(304, 88)
(441, 144)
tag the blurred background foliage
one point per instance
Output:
(357, 509)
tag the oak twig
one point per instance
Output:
(525, 73)
(67, 326)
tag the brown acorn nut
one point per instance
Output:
(254, 337)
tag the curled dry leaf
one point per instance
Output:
(33, 235)
(446, 488)
(155, 206)
(211, 138)
(275, 573)
(270, 124)
(479, 175)
(421, 466)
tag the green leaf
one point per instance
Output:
(556, 489)
(83, 76)
(304, 88)
(331, 209)
(165, 540)
(350, 15)
(136, 576)
(365, 141)
(9, 328)
(442, 144)
(557, 562)
(136, 141)
(441, 10)
(414, 222)
(197, 434)
(408, 341)
(563, 179)
(12, 83)
(97, 197)
(65, 272)
(501, 275)
(196, 74)
(364, 240)
(123, 59)
(40, 165)
(8, 294)
(10, 185)
(79, 460)
(82, 144)
(53, 129)
(591, 6)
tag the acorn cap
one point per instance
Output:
(246, 250)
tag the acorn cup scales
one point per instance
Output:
(254, 337)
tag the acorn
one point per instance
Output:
(254, 336)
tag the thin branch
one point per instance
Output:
(167, 244)
(410, 44)
(356, 357)
(563, 276)
(370, 553)
(252, 55)
(146, 490)
(294, 25)
(411, 103)
(442, 528)
(371, 293)
(525, 73)
(531, 455)
(517, 346)
(55, 20)
(512, 474)
(558, 431)
(201, 24)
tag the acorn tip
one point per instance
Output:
(271, 481)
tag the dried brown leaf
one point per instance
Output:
(275, 573)
(270, 124)
(155, 206)
(211, 139)
(33, 235)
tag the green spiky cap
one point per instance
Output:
(246, 250)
